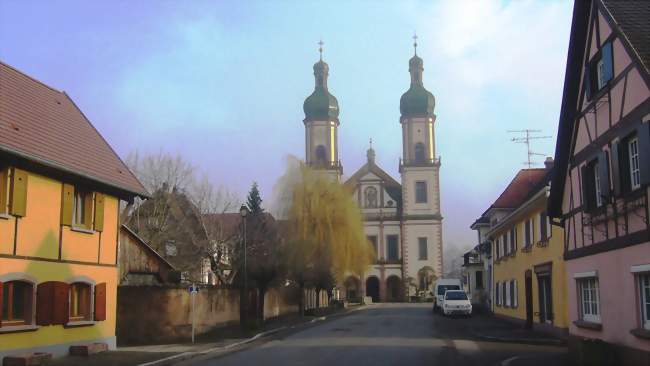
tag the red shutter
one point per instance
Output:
(60, 303)
(1, 302)
(44, 297)
(100, 302)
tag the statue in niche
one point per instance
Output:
(371, 197)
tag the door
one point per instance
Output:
(529, 298)
(372, 288)
(545, 303)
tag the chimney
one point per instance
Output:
(548, 163)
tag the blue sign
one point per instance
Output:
(194, 289)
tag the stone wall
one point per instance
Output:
(155, 314)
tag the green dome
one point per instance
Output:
(417, 101)
(321, 105)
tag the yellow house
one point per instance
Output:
(529, 279)
(60, 190)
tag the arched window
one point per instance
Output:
(371, 197)
(419, 153)
(17, 303)
(80, 301)
(321, 154)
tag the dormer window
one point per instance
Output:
(599, 71)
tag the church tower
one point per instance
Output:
(321, 124)
(419, 169)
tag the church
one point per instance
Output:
(402, 219)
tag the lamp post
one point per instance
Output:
(243, 211)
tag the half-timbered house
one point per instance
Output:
(601, 186)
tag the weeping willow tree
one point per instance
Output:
(325, 228)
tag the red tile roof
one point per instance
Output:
(43, 125)
(519, 189)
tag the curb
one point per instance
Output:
(533, 341)
(188, 355)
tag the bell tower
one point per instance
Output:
(321, 124)
(419, 169)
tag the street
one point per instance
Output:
(390, 334)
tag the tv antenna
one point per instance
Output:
(526, 139)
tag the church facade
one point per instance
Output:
(402, 219)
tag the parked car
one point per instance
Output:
(456, 302)
(443, 285)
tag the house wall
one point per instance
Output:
(618, 290)
(514, 268)
(37, 248)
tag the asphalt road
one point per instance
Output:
(390, 334)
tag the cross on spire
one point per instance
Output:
(371, 142)
(320, 48)
(415, 43)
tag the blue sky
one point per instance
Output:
(223, 82)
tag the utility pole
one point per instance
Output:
(526, 139)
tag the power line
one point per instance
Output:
(526, 139)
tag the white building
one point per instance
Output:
(402, 219)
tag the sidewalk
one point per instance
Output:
(499, 330)
(219, 340)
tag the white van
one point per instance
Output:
(443, 285)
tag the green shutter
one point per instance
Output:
(586, 82)
(608, 61)
(615, 157)
(643, 134)
(99, 211)
(18, 198)
(67, 204)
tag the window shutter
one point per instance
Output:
(615, 157)
(99, 211)
(516, 295)
(603, 174)
(18, 198)
(586, 191)
(643, 134)
(608, 61)
(44, 297)
(100, 302)
(61, 303)
(89, 201)
(1, 303)
(67, 204)
(587, 82)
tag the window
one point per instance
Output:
(506, 247)
(392, 248)
(589, 299)
(373, 244)
(544, 226)
(496, 293)
(420, 192)
(479, 280)
(644, 287)
(529, 235)
(17, 301)
(599, 71)
(321, 154)
(497, 248)
(419, 153)
(513, 293)
(506, 290)
(423, 250)
(170, 248)
(633, 153)
(83, 207)
(597, 190)
(513, 240)
(80, 298)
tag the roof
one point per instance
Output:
(483, 220)
(146, 246)
(633, 18)
(630, 21)
(44, 126)
(321, 105)
(525, 183)
(416, 101)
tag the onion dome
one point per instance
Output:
(321, 105)
(417, 101)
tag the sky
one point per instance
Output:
(223, 82)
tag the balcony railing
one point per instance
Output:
(418, 163)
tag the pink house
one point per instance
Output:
(600, 191)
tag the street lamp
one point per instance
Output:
(243, 211)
